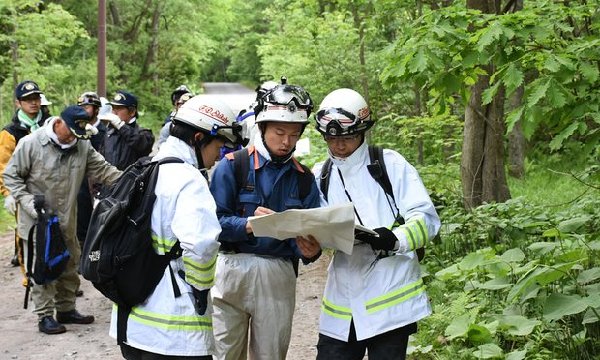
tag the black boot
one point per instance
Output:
(49, 326)
(15, 260)
(73, 317)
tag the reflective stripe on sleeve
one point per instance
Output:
(339, 312)
(200, 275)
(171, 322)
(416, 233)
(395, 297)
(162, 245)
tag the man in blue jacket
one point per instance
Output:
(255, 283)
(125, 140)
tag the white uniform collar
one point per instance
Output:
(357, 158)
(175, 147)
(260, 147)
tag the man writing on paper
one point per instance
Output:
(374, 297)
(254, 291)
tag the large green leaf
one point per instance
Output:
(458, 327)
(512, 79)
(479, 334)
(542, 275)
(489, 34)
(574, 224)
(542, 247)
(496, 284)
(538, 92)
(488, 351)
(472, 260)
(558, 306)
(591, 316)
(516, 355)
(589, 71)
(513, 255)
(589, 275)
(448, 273)
(518, 325)
(489, 93)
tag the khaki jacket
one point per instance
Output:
(38, 166)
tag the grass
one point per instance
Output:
(552, 181)
(7, 221)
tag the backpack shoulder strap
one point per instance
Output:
(241, 166)
(305, 181)
(324, 180)
(169, 160)
(378, 170)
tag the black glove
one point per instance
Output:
(385, 241)
(200, 300)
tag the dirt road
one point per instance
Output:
(20, 338)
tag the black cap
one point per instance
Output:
(124, 98)
(26, 88)
(76, 118)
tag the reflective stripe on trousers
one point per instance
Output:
(376, 304)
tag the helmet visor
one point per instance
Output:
(338, 122)
(286, 94)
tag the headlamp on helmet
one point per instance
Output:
(284, 103)
(89, 98)
(343, 112)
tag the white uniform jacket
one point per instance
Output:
(386, 293)
(184, 210)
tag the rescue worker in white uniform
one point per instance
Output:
(167, 326)
(374, 297)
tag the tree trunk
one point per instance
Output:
(516, 140)
(152, 48)
(473, 146)
(482, 164)
(114, 13)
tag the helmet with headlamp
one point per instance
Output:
(343, 112)
(284, 103)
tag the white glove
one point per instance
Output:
(90, 130)
(112, 119)
(10, 204)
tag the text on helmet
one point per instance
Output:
(213, 113)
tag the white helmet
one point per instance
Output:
(343, 112)
(45, 101)
(284, 103)
(264, 88)
(211, 115)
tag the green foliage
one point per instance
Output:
(422, 140)
(554, 44)
(7, 221)
(527, 275)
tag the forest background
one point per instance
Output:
(495, 102)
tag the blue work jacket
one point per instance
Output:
(275, 187)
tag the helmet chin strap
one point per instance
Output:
(198, 145)
(279, 159)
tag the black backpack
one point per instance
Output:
(51, 254)
(378, 171)
(117, 256)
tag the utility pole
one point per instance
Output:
(102, 48)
